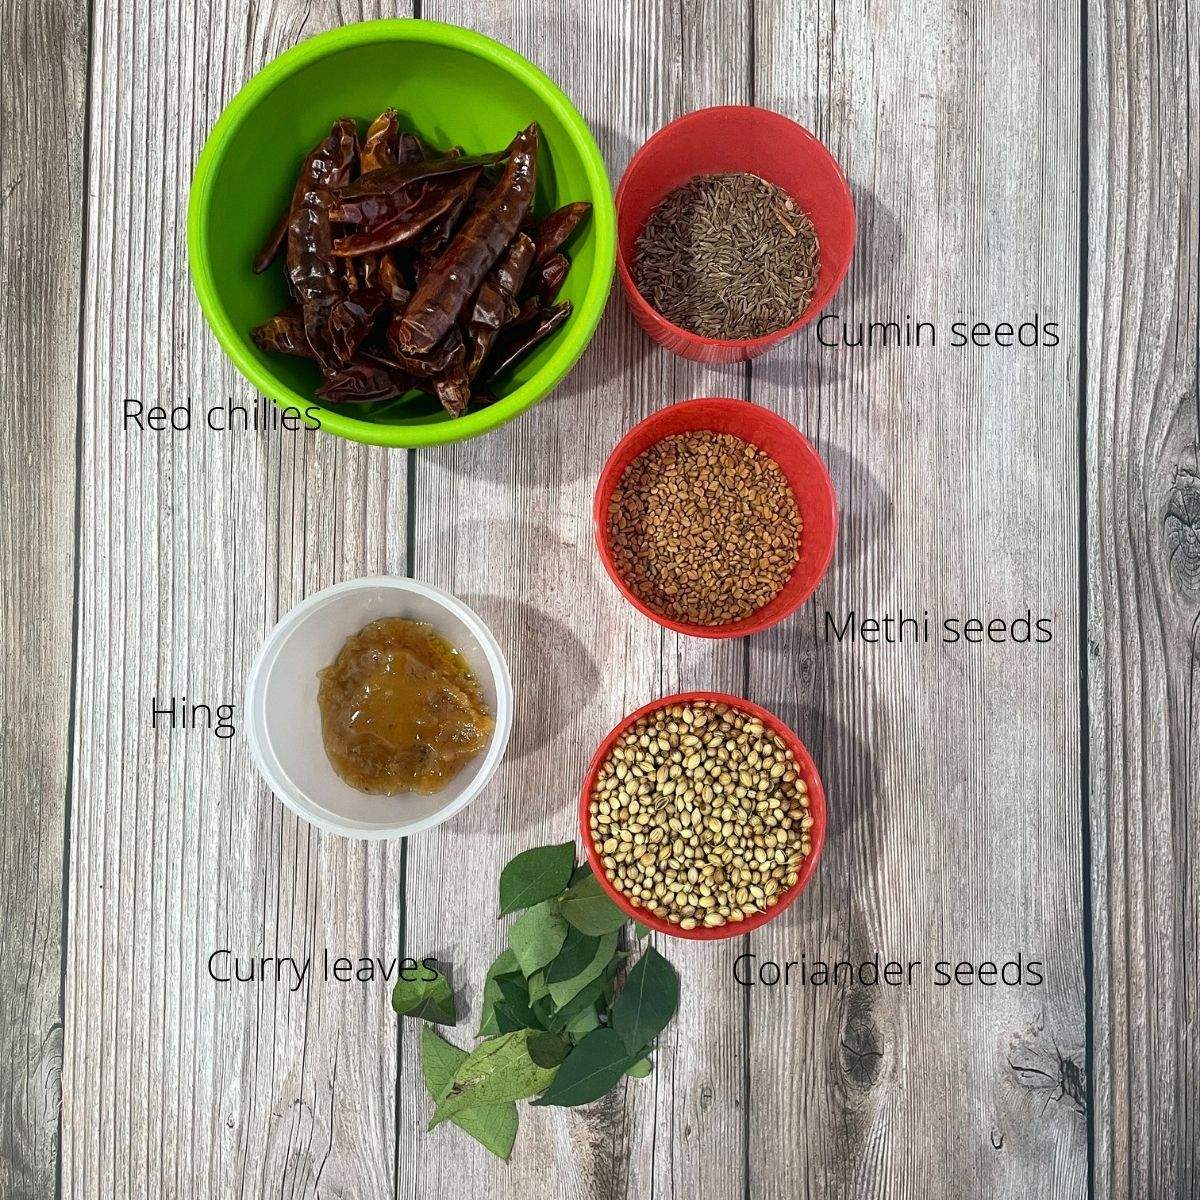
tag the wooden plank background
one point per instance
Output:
(1143, 647)
(42, 87)
(1005, 158)
(192, 546)
(957, 831)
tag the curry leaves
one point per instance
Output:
(538, 936)
(561, 993)
(554, 1020)
(587, 906)
(577, 951)
(501, 1069)
(536, 875)
(513, 1010)
(640, 1069)
(493, 1126)
(504, 966)
(428, 999)
(647, 1001)
(594, 1067)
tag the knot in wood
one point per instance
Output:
(862, 1051)
(1182, 525)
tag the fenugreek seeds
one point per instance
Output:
(700, 815)
(728, 256)
(704, 528)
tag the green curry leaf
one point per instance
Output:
(493, 1126)
(427, 999)
(647, 1002)
(495, 1072)
(537, 936)
(536, 875)
(588, 907)
(594, 1067)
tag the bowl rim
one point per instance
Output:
(587, 313)
(254, 699)
(749, 347)
(607, 480)
(817, 805)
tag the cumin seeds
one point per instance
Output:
(728, 256)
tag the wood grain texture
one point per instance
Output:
(521, 551)
(952, 771)
(1143, 537)
(192, 545)
(954, 775)
(42, 85)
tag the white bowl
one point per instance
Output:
(283, 722)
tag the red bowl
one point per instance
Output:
(801, 465)
(816, 802)
(727, 138)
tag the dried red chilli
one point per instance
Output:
(313, 271)
(352, 318)
(517, 340)
(496, 304)
(382, 143)
(414, 268)
(328, 164)
(552, 274)
(284, 334)
(552, 232)
(448, 286)
(404, 215)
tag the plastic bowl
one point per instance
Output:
(816, 799)
(800, 463)
(283, 722)
(727, 138)
(454, 87)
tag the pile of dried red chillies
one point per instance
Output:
(411, 268)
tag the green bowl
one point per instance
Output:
(452, 86)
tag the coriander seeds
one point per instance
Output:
(704, 528)
(700, 816)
